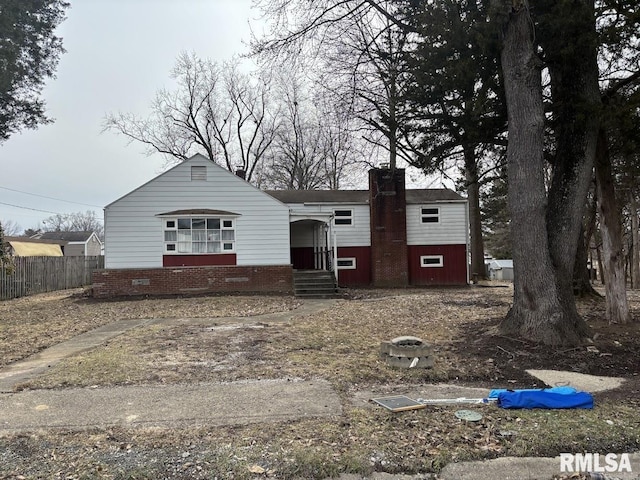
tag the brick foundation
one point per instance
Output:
(189, 280)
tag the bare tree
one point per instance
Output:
(11, 228)
(216, 110)
(74, 222)
(357, 49)
(315, 145)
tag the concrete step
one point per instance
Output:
(315, 284)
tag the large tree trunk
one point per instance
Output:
(617, 309)
(570, 41)
(475, 217)
(537, 312)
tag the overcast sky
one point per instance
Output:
(119, 53)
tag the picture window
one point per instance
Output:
(199, 235)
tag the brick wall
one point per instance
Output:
(388, 204)
(185, 280)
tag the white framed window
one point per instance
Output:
(430, 215)
(343, 216)
(432, 261)
(189, 235)
(198, 172)
(348, 263)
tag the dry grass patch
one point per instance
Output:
(30, 324)
(340, 344)
(361, 441)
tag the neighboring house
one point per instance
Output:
(234, 237)
(29, 247)
(501, 270)
(76, 244)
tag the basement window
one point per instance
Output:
(432, 261)
(346, 263)
(343, 217)
(430, 215)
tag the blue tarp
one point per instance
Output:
(557, 397)
(566, 390)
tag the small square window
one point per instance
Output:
(343, 217)
(430, 214)
(227, 246)
(171, 247)
(197, 223)
(227, 224)
(171, 224)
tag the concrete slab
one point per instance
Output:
(580, 381)
(525, 468)
(234, 403)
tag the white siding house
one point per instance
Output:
(138, 226)
(235, 237)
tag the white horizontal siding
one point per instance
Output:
(356, 235)
(134, 233)
(452, 229)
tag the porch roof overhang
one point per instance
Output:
(296, 216)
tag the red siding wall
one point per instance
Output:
(361, 276)
(198, 260)
(172, 280)
(454, 271)
(302, 258)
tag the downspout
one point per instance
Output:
(335, 254)
(468, 244)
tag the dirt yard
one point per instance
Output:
(340, 345)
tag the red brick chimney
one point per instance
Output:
(388, 213)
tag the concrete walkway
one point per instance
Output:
(168, 405)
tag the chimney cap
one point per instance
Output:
(241, 172)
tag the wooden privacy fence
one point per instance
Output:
(29, 275)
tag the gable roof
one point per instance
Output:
(195, 157)
(417, 196)
(78, 236)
